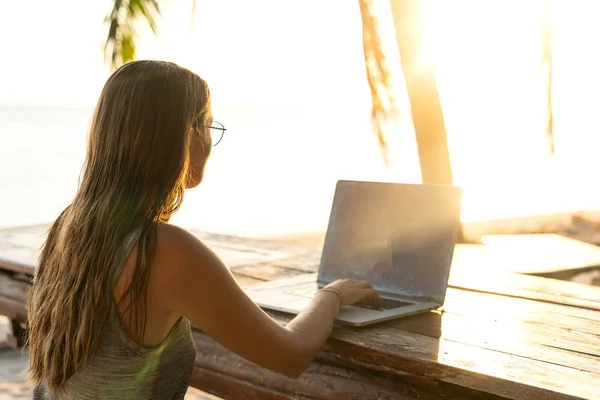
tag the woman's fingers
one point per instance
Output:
(360, 284)
(354, 291)
(368, 296)
(372, 296)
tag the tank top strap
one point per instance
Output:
(130, 241)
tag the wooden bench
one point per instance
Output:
(499, 335)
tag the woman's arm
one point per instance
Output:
(195, 283)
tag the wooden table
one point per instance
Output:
(499, 335)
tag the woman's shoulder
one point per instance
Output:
(178, 249)
(173, 237)
(188, 275)
(168, 234)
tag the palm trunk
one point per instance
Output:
(426, 109)
(421, 86)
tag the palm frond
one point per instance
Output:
(119, 47)
(194, 6)
(148, 9)
(546, 67)
(110, 47)
(378, 76)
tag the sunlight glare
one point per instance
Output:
(487, 57)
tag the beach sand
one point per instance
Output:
(13, 372)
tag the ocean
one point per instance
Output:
(273, 173)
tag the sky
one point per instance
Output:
(308, 55)
(260, 53)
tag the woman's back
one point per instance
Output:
(133, 372)
(158, 372)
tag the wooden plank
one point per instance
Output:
(397, 352)
(539, 334)
(266, 272)
(31, 237)
(20, 247)
(227, 387)
(13, 309)
(591, 236)
(245, 280)
(20, 260)
(14, 289)
(254, 243)
(519, 338)
(553, 287)
(488, 305)
(225, 374)
(548, 255)
(547, 332)
(468, 366)
(489, 371)
(528, 287)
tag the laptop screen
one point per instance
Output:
(398, 237)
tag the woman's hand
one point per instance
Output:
(352, 292)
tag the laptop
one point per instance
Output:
(398, 237)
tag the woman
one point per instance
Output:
(117, 286)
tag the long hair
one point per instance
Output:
(134, 177)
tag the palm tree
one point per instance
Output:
(421, 87)
(425, 104)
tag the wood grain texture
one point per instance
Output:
(220, 372)
(396, 351)
(13, 309)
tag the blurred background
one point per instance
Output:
(517, 82)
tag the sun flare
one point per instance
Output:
(488, 61)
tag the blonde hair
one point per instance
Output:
(133, 178)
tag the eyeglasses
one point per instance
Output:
(217, 130)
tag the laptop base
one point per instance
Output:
(292, 295)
